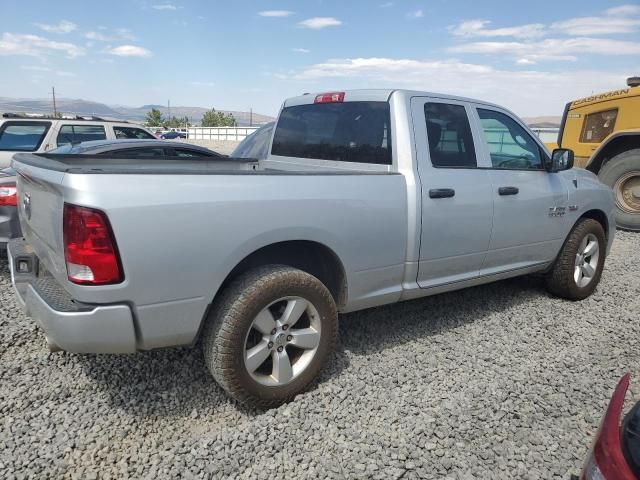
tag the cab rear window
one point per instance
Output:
(347, 132)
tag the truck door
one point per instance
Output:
(529, 223)
(457, 203)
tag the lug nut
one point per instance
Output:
(280, 349)
(273, 332)
(270, 345)
(289, 338)
(285, 326)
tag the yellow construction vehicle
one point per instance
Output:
(604, 132)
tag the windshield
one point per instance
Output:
(255, 145)
(348, 132)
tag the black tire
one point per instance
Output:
(615, 169)
(231, 319)
(560, 280)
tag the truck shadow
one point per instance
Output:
(175, 382)
(369, 330)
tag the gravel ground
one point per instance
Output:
(499, 381)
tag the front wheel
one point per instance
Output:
(269, 334)
(622, 174)
(577, 270)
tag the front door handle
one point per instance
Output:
(508, 190)
(441, 192)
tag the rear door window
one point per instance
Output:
(449, 135)
(347, 132)
(131, 132)
(23, 136)
(80, 133)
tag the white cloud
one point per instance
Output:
(164, 6)
(38, 68)
(316, 23)
(35, 68)
(276, 13)
(526, 92)
(477, 28)
(387, 5)
(130, 51)
(416, 14)
(618, 20)
(623, 10)
(36, 46)
(202, 84)
(118, 34)
(553, 49)
(64, 26)
(300, 50)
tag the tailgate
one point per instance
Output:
(40, 207)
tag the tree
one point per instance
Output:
(175, 122)
(217, 119)
(154, 118)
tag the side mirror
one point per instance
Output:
(561, 159)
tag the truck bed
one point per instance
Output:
(182, 226)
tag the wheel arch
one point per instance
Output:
(600, 217)
(309, 256)
(617, 143)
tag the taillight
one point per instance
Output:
(8, 195)
(607, 460)
(90, 249)
(331, 97)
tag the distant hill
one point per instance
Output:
(136, 114)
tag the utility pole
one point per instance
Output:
(169, 108)
(250, 117)
(55, 110)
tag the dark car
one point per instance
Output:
(136, 149)
(172, 135)
(9, 224)
(255, 145)
(616, 450)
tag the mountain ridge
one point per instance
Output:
(120, 112)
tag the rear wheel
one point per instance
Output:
(622, 174)
(270, 334)
(577, 270)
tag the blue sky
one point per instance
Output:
(529, 56)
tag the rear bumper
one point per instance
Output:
(69, 325)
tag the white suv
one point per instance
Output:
(20, 133)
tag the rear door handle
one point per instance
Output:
(441, 192)
(508, 190)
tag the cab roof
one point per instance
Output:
(379, 95)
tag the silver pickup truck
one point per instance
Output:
(367, 197)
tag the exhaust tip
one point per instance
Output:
(633, 82)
